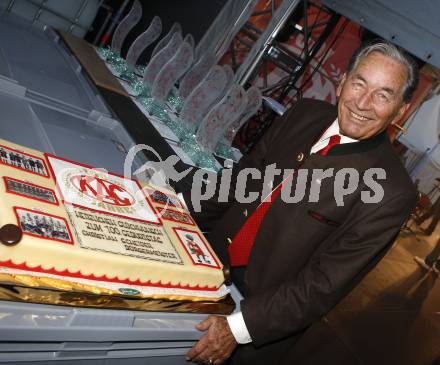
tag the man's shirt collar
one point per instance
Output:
(332, 130)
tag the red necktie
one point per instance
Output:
(240, 247)
(334, 140)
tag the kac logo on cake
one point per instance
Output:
(99, 190)
(102, 190)
(96, 189)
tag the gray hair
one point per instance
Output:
(397, 54)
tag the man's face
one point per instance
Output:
(370, 96)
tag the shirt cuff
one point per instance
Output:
(238, 328)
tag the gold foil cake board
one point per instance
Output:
(17, 293)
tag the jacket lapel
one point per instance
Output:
(358, 147)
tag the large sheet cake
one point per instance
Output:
(64, 223)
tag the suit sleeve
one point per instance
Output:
(330, 274)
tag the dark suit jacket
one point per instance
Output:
(308, 255)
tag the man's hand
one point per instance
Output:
(216, 345)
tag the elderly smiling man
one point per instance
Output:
(295, 261)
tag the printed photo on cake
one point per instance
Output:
(29, 190)
(196, 247)
(175, 216)
(22, 161)
(43, 225)
(162, 198)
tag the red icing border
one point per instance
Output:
(78, 274)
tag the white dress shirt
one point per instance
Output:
(331, 131)
(236, 320)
